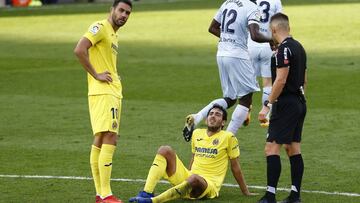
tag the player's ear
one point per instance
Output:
(223, 123)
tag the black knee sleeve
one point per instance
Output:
(230, 102)
(246, 100)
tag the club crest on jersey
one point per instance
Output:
(94, 29)
(215, 142)
(114, 125)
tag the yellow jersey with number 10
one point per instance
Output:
(103, 54)
(212, 154)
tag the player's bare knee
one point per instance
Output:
(165, 151)
(109, 138)
(271, 150)
(195, 181)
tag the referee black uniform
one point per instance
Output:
(288, 112)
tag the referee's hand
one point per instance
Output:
(263, 113)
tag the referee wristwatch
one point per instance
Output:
(267, 103)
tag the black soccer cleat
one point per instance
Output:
(188, 128)
(265, 200)
(291, 200)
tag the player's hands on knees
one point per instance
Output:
(104, 77)
(263, 113)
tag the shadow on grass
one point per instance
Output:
(142, 6)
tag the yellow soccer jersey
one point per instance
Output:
(103, 56)
(212, 154)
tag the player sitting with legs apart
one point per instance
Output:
(212, 148)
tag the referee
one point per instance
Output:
(288, 109)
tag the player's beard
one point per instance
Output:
(214, 129)
(119, 24)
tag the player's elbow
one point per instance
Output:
(78, 52)
(253, 36)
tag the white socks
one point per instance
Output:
(237, 118)
(203, 112)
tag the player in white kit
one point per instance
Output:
(261, 53)
(232, 23)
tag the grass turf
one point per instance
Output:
(168, 68)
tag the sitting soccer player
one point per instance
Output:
(211, 150)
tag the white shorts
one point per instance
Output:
(261, 61)
(237, 77)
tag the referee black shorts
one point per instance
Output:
(287, 119)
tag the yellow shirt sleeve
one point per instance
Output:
(233, 147)
(95, 33)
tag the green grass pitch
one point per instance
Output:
(168, 69)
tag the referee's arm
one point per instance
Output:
(279, 83)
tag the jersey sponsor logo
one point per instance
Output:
(215, 142)
(206, 150)
(223, 39)
(199, 139)
(94, 29)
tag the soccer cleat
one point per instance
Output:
(189, 127)
(265, 124)
(291, 200)
(98, 199)
(265, 200)
(140, 200)
(111, 199)
(144, 194)
(248, 117)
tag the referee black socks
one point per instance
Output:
(297, 171)
(273, 174)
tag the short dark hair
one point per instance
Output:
(279, 16)
(116, 2)
(217, 106)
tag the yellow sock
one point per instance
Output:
(94, 164)
(175, 192)
(156, 172)
(105, 166)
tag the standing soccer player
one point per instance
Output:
(261, 53)
(288, 110)
(232, 23)
(97, 52)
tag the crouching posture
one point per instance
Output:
(212, 148)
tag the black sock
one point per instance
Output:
(273, 174)
(297, 171)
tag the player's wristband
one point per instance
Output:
(267, 103)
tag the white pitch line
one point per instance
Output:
(166, 182)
